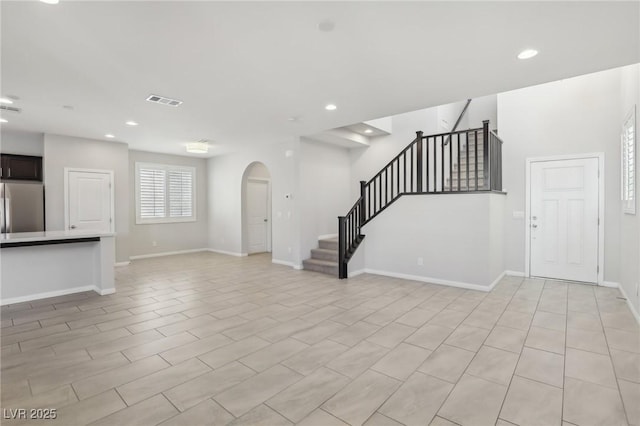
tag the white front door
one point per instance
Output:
(257, 215)
(89, 200)
(564, 219)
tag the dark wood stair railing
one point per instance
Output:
(434, 164)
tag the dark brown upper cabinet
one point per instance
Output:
(21, 167)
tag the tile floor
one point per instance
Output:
(212, 339)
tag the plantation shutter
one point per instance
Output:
(180, 193)
(152, 193)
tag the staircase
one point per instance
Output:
(464, 161)
(324, 258)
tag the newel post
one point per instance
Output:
(419, 161)
(485, 154)
(342, 235)
(363, 202)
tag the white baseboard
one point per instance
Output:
(166, 253)
(122, 263)
(468, 286)
(286, 263)
(629, 304)
(327, 236)
(56, 293)
(356, 273)
(228, 253)
(514, 273)
(105, 292)
(611, 284)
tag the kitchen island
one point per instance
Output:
(37, 265)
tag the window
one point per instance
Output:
(629, 163)
(165, 193)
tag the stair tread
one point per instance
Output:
(324, 250)
(320, 262)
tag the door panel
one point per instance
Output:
(89, 201)
(564, 219)
(257, 216)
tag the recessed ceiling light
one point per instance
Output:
(131, 123)
(5, 101)
(109, 135)
(2, 120)
(368, 131)
(330, 107)
(527, 54)
(198, 147)
(50, 1)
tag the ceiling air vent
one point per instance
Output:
(164, 101)
(9, 108)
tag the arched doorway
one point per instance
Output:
(256, 209)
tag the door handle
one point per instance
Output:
(534, 225)
(266, 220)
(72, 227)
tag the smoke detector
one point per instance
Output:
(164, 101)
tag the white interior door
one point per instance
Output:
(89, 200)
(257, 215)
(564, 219)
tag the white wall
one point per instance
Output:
(225, 199)
(169, 237)
(456, 235)
(68, 151)
(23, 143)
(630, 224)
(573, 116)
(325, 182)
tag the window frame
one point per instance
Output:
(165, 168)
(628, 166)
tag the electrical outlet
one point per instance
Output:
(637, 289)
(154, 243)
(420, 261)
(289, 249)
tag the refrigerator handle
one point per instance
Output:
(8, 226)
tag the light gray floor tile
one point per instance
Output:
(592, 341)
(550, 320)
(102, 382)
(546, 339)
(354, 334)
(494, 365)
(626, 365)
(162, 380)
(516, 319)
(89, 410)
(378, 419)
(418, 400)
(509, 339)
(321, 418)
(449, 318)
(532, 403)
(474, 401)
(391, 335)
(447, 363)
(467, 337)
(314, 357)
(583, 321)
(193, 392)
(358, 359)
(243, 397)
(149, 412)
(303, 397)
(318, 333)
(542, 366)
(590, 404)
(232, 352)
(631, 398)
(157, 346)
(273, 354)
(361, 398)
(417, 317)
(429, 336)
(622, 340)
(208, 412)
(590, 367)
(402, 361)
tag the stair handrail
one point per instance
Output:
(455, 126)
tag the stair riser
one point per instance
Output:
(323, 255)
(329, 270)
(329, 245)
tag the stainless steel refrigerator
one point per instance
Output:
(22, 207)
